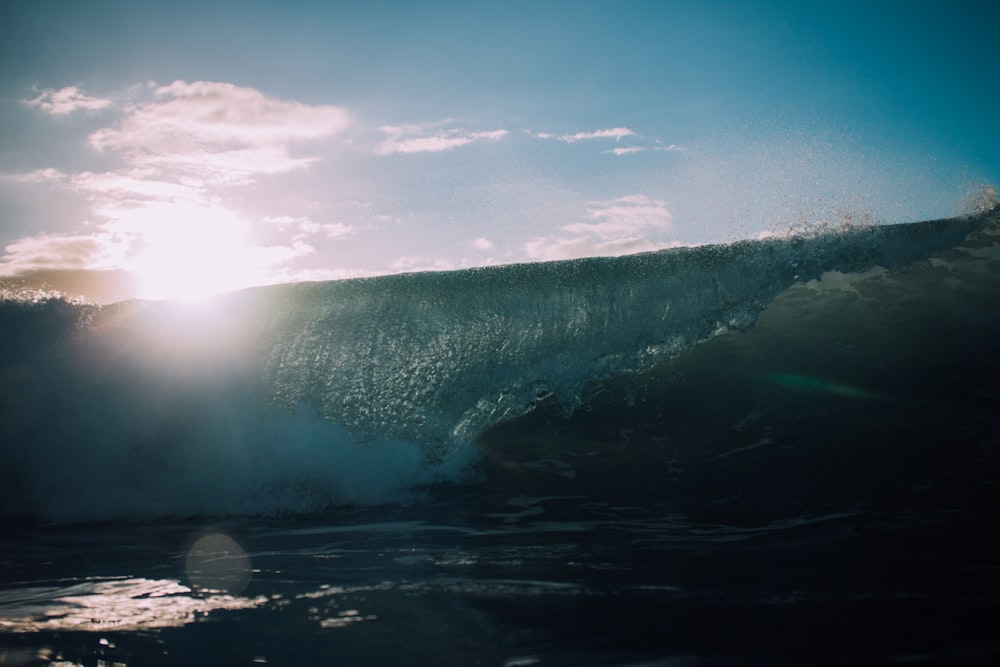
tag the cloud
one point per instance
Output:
(308, 227)
(135, 186)
(482, 243)
(616, 227)
(624, 217)
(47, 175)
(218, 131)
(219, 114)
(430, 138)
(62, 251)
(616, 133)
(66, 101)
(627, 150)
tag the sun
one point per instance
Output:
(188, 252)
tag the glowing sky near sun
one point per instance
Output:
(177, 149)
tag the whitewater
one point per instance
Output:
(774, 451)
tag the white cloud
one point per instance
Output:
(617, 227)
(218, 131)
(67, 100)
(308, 227)
(134, 185)
(232, 167)
(331, 230)
(430, 138)
(218, 114)
(63, 251)
(624, 217)
(482, 243)
(627, 150)
(47, 175)
(284, 221)
(616, 133)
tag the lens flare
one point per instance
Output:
(216, 562)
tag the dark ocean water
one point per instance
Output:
(778, 452)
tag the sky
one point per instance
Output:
(176, 149)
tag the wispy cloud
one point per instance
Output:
(134, 186)
(66, 101)
(628, 150)
(47, 175)
(63, 252)
(616, 227)
(218, 131)
(616, 133)
(307, 227)
(430, 138)
(625, 216)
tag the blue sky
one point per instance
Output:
(171, 149)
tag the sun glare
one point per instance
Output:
(190, 252)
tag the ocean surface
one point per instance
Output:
(774, 452)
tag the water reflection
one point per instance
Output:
(112, 604)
